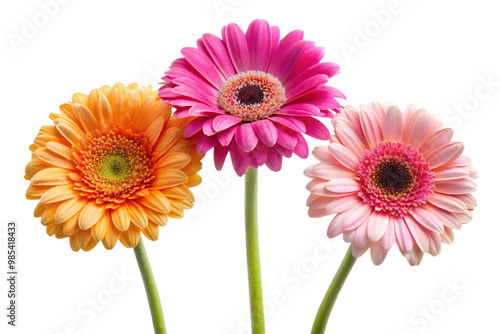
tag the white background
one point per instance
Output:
(438, 54)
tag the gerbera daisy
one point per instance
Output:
(254, 96)
(113, 165)
(392, 177)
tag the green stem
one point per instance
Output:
(332, 293)
(151, 289)
(253, 256)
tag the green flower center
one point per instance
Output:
(115, 168)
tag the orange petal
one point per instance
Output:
(54, 159)
(100, 228)
(111, 237)
(174, 161)
(61, 149)
(137, 215)
(154, 130)
(59, 193)
(69, 208)
(169, 178)
(71, 133)
(167, 140)
(193, 181)
(70, 227)
(156, 217)
(89, 122)
(152, 232)
(48, 215)
(50, 177)
(132, 235)
(156, 201)
(90, 214)
(179, 192)
(121, 217)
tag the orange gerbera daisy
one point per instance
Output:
(115, 164)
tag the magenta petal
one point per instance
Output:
(199, 109)
(274, 160)
(301, 149)
(266, 131)
(225, 137)
(204, 65)
(220, 154)
(207, 127)
(240, 165)
(259, 44)
(237, 46)
(284, 45)
(289, 122)
(206, 143)
(328, 69)
(321, 98)
(194, 126)
(259, 154)
(286, 152)
(194, 93)
(305, 86)
(286, 139)
(217, 50)
(246, 137)
(315, 128)
(299, 109)
(223, 122)
(288, 60)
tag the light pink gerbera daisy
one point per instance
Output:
(253, 95)
(392, 177)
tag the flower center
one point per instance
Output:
(395, 178)
(252, 96)
(392, 177)
(113, 166)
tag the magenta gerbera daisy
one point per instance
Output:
(254, 95)
(392, 177)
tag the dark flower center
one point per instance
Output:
(393, 178)
(250, 94)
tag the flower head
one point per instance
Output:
(254, 96)
(392, 177)
(113, 165)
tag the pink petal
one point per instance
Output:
(274, 160)
(305, 86)
(377, 254)
(299, 109)
(371, 127)
(225, 137)
(434, 243)
(447, 218)
(415, 256)
(289, 122)
(447, 237)
(259, 44)
(445, 154)
(220, 154)
(341, 204)
(389, 237)
(403, 234)
(427, 219)
(328, 171)
(451, 174)
(239, 164)
(343, 185)
(448, 203)
(266, 131)
(224, 122)
(344, 156)
(204, 65)
(418, 233)
(301, 149)
(393, 124)
(437, 139)
(246, 137)
(456, 187)
(207, 127)
(357, 215)
(217, 50)
(420, 129)
(206, 143)
(359, 251)
(323, 154)
(377, 225)
(194, 126)
(288, 53)
(335, 228)
(237, 46)
(361, 237)
(350, 139)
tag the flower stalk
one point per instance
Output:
(332, 293)
(151, 289)
(253, 255)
